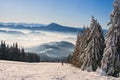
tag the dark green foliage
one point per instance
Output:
(69, 59)
(74, 58)
(15, 54)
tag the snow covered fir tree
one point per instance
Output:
(111, 58)
(75, 57)
(88, 53)
(95, 45)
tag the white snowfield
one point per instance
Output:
(45, 71)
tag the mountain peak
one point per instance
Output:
(54, 24)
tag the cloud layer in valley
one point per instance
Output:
(29, 38)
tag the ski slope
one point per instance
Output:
(10, 70)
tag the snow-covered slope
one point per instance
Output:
(45, 71)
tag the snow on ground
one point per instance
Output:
(45, 71)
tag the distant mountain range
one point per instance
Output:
(24, 24)
(53, 27)
(54, 51)
(11, 32)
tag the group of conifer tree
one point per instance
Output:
(92, 51)
(13, 53)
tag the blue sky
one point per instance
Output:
(66, 12)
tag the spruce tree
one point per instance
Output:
(88, 54)
(111, 58)
(76, 52)
(83, 45)
(94, 47)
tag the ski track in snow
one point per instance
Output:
(10, 70)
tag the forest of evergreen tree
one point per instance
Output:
(14, 53)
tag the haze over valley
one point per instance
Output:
(28, 36)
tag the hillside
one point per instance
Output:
(53, 51)
(45, 71)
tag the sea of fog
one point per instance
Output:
(29, 38)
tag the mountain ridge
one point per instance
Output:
(53, 51)
(53, 27)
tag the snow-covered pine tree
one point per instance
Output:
(79, 48)
(88, 53)
(83, 45)
(111, 57)
(76, 52)
(93, 51)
